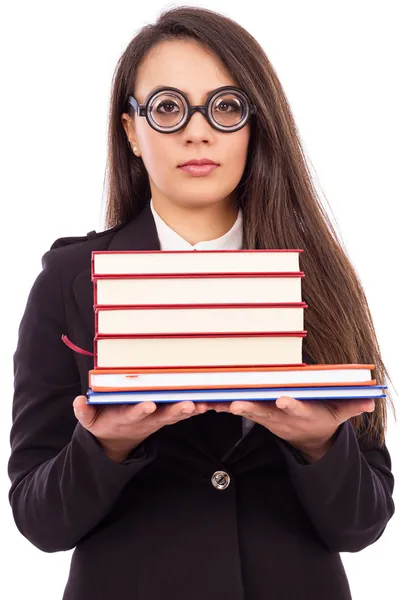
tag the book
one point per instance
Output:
(194, 350)
(199, 318)
(216, 325)
(315, 393)
(224, 377)
(129, 262)
(205, 288)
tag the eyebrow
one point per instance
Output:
(161, 87)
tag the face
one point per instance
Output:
(195, 71)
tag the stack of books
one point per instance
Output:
(207, 326)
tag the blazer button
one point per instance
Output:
(220, 480)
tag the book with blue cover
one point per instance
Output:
(231, 394)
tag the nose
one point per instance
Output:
(197, 128)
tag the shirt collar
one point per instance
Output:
(170, 240)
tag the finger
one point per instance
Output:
(169, 413)
(122, 414)
(174, 412)
(293, 407)
(85, 413)
(219, 406)
(354, 408)
(201, 407)
(368, 405)
(246, 408)
(143, 409)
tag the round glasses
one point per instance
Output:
(168, 109)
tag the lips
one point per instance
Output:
(199, 162)
(199, 170)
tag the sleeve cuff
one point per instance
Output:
(140, 456)
(297, 460)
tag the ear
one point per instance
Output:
(128, 125)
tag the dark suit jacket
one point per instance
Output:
(155, 527)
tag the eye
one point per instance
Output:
(168, 106)
(227, 106)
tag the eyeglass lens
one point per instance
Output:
(168, 109)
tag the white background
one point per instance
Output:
(338, 63)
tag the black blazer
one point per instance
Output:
(155, 527)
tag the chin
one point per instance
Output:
(197, 202)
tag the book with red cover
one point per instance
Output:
(157, 262)
(198, 288)
(199, 350)
(199, 318)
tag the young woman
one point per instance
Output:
(195, 501)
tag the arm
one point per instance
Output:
(62, 482)
(347, 493)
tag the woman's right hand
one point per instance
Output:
(121, 428)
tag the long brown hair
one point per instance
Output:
(280, 205)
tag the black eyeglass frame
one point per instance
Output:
(142, 109)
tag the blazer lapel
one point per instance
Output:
(138, 234)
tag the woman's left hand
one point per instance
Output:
(308, 425)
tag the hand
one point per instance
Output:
(309, 425)
(121, 428)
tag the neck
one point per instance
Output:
(197, 224)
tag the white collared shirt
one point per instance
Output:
(231, 240)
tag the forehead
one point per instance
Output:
(184, 65)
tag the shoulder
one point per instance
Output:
(78, 248)
(89, 237)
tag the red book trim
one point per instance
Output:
(99, 307)
(206, 367)
(243, 275)
(307, 367)
(242, 251)
(104, 336)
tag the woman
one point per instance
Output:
(249, 500)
